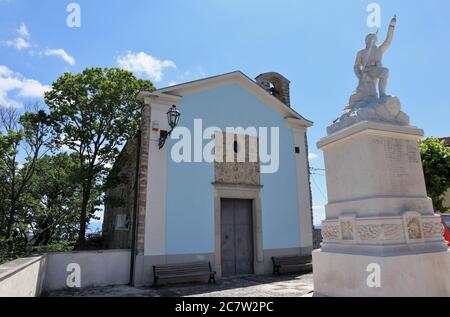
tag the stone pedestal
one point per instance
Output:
(379, 216)
(352, 275)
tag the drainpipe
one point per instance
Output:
(135, 209)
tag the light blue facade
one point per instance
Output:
(190, 194)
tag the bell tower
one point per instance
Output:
(277, 85)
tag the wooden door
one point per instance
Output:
(236, 237)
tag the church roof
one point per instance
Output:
(232, 77)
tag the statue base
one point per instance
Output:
(386, 109)
(412, 275)
(378, 213)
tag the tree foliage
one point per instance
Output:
(23, 141)
(93, 113)
(436, 167)
(53, 198)
(28, 134)
(53, 164)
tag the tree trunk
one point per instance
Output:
(83, 217)
(12, 212)
(12, 208)
(10, 223)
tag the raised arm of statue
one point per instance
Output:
(390, 35)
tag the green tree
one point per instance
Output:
(54, 199)
(93, 113)
(27, 134)
(436, 167)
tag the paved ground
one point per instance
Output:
(244, 286)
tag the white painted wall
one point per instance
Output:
(155, 219)
(303, 190)
(98, 268)
(22, 277)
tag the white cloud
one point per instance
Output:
(15, 83)
(23, 31)
(21, 42)
(31, 88)
(5, 71)
(145, 65)
(61, 54)
(312, 156)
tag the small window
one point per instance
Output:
(235, 147)
(297, 149)
(122, 222)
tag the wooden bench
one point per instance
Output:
(299, 263)
(183, 270)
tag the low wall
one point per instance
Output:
(31, 276)
(97, 268)
(23, 277)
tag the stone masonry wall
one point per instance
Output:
(120, 199)
(143, 177)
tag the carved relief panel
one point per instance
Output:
(237, 159)
(412, 224)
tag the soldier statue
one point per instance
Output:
(369, 66)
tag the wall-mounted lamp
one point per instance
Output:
(173, 117)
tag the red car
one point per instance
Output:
(446, 223)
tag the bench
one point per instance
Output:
(299, 263)
(183, 270)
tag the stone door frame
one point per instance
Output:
(249, 192)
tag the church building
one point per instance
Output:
(182, 197)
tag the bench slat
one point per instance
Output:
(179, 270)
(184, 275)
(289, 260)
(301, 262)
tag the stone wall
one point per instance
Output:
(120, 195)
(120, 199)
(23, 277)
(242, 173)
(37, 275)
(97, 268)
(143, 177)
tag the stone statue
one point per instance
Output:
(369, 67)
(366, 103)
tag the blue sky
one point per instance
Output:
(313, 43)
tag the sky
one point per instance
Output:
(313, 43)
